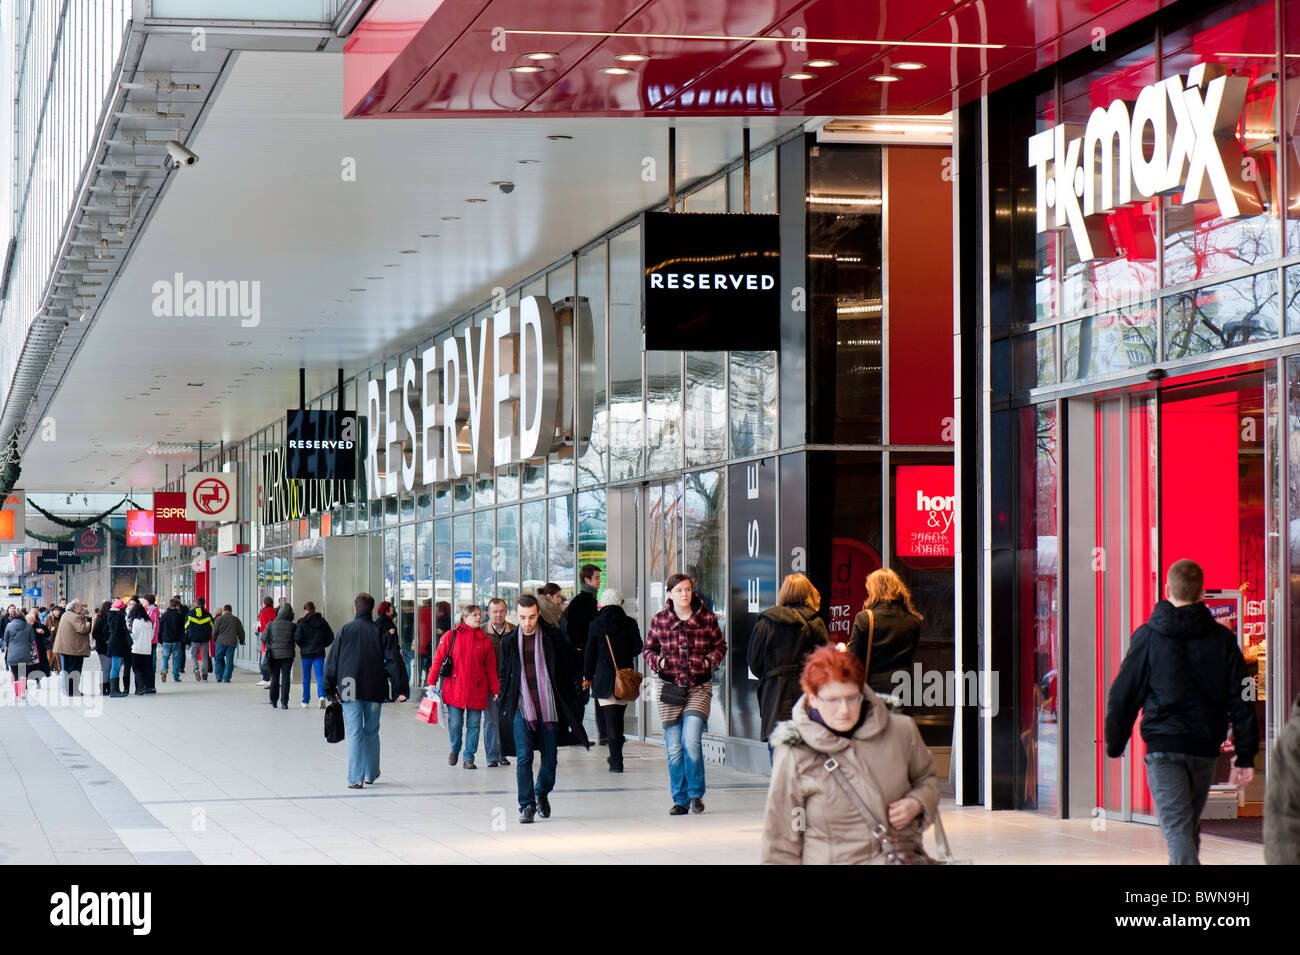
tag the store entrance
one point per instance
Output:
(1186, 471)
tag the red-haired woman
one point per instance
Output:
(886, 632)
(842, 739)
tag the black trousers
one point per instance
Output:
(142, 667)
(72, 665)
(609, 724)
(281, 673)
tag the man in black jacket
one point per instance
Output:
(1187, 675)
(543, 717)
(358, 671)
(575, 622)
(171, 638)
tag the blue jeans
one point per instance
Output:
(456, 720)
(685, 758)
(1180, 784)
(174, 652)
(225, 663)
(526, 743)
(361, 724)
(492, 730)
(312, 665)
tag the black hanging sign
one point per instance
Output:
(320, 445)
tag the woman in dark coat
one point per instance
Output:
(611, 624)
(99, 637)
(886, 632)
(44, 642)
(20, 650)
(783, 637)
(119, 648)
(279, 643)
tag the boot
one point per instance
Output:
(116, 691)
(105, 688)
(616, 755)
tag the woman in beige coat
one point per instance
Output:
(810, 819)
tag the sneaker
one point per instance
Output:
(678, 810)
(504, 761)
(304, 704)
(355, 786)
(526, 814)
(469, 764)
(493, 763)
(544, 807)
(697, 805)
(323, 702)
(263, 682)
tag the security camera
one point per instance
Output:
(505, 185)
(180, 155)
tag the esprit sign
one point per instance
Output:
(1179, 134)
(169, 513)
(926, 508)
(498, 394)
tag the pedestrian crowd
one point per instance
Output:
(852, 781)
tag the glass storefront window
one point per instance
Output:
(563, 570)
(625, 396)
(1291, 129)
(754, 381)
(508, 483)
(1109, 343)
(1222, 316)
(704, 519)
(462, 495)
(706, 407)
(423, 505)
(505, 560)
(423, 582)
(534, 477)
(533, 552)
(592, 526)
(484, 569)
(593, 453)
(663, 411)
(559, 286)
(442, 498)
(391, 568)
(442, 561)
(484, 494)
(1292, 306)
(462, 561)
(406, 587)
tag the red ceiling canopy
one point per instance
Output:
(412, 58)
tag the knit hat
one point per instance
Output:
(611, 597)
(118, 605)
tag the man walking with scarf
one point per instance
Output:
(536, 703)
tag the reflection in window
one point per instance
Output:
(534, 546)
(1109, 343)
(754, 381)
(485, 581)
(462, 562)
(593, 455)
(625, 337)
(705, 560)
(1292, 307)
(563, 570)
(663, 411)
(505, 560)
(592, 524)
(706, 407)
(1222, 316)
(534, 480)
(508, 483)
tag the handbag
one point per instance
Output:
(444, 671)
(899, 847)
(265, 662)
(672, 694)
(334, 729)
(627, 682)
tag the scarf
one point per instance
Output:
(816, 716)
(545, 693)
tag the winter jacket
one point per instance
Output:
(577, 618)
(228, 631)
(685, 652)
(155, 618)
(20, 643)
(279, 634)
(198, 627)
(474, 679)
(265, 617)
(313, 635)
(171, 627)
(558, 655)
(73, 636)
(496, 638)
(363, 665)
(1187, 675)
(782, 638)
(387, 625)
(99, 633)
(884, 760)
(1282, 796)
(893, 646)
(141, 635)
(625, 637)
(119, 637)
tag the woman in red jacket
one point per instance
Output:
(472, 681)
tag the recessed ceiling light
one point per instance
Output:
(391, 265)
(158, 414)
(885, 78)
(616, 70)
(194, 384)
(909, 66)
(525, 69)
(632, 57)
(820, 64)
(527, 162)
(429, 235)
(375, 278)
(800, 76)
(476, 200)
(557, 137)
(541, 55)
(239, 344)
(356, 290)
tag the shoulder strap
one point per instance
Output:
(613, 659)
(833, 768)
(871, 639)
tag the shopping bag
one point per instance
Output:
(334, 731)
(428, 711)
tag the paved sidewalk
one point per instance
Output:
(210, 773)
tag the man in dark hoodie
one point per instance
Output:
(198, 632)
(1187, 675)
(313, 637)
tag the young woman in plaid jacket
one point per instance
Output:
(684, 647)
